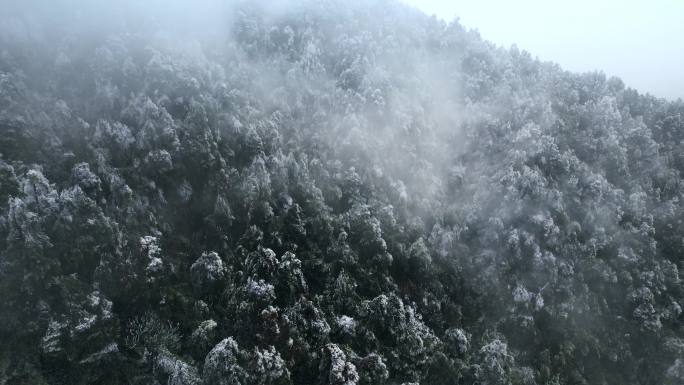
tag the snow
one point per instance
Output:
(51, 339)
(207, 269)
(339, 370)
(347, 324)
(85, 323)
(260, 289)
(150, 246)
(204, 329)
(109, 349)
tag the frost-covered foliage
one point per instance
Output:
(207, 270)
(150, 333)
(335, 369)
(226, 363)
(223, 364)
(326, 192)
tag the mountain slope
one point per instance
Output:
(326, 192)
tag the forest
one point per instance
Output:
(330, 192)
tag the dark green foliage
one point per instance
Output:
(326, 192)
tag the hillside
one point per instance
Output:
(326, 192)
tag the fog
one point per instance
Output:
(330, 192)
(642, 42)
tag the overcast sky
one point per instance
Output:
(641, 41)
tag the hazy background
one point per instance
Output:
(640, 41)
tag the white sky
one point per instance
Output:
(641, 41)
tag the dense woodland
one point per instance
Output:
(326, 192)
